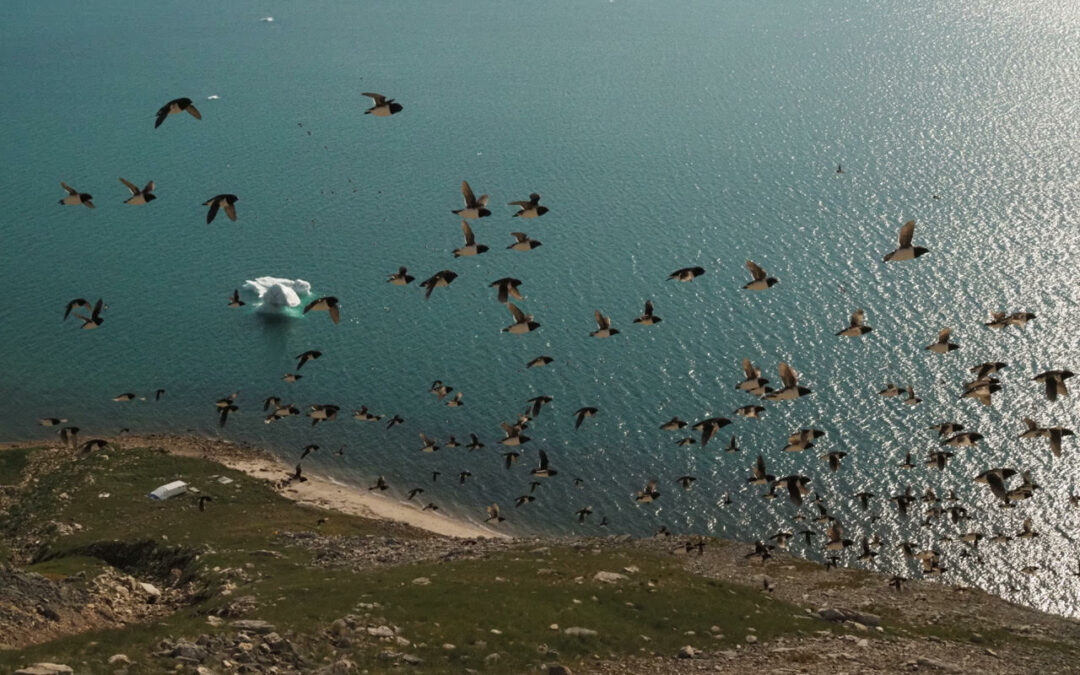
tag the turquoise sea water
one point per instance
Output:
(661, 135)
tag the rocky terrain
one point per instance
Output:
(112, 584)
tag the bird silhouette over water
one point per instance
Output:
(75, 197)
(174, 107)
(530, 208)
(475, 207)
(225, 202)
(906, 251)
(383, 107)
(328, 304)
(139, 197)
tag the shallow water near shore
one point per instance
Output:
(661, 136)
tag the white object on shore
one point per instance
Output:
(177, 487)
(277, 293)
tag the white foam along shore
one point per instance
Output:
(317, 491)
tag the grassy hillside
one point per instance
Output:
(79, 515)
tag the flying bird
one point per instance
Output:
(906, 251)
(581, 413)
(538, 403)
(539, 361)
(603, 326)
(77, 302)
(507, 288)
(175, 106)
(222, 201)
(474, 208)
(438, 280)
(708, 428)
(942, 344)
(856, 327)
(761, 281)
(323, 413)
(754, 383)
(471, 247)
(328, 304)
(383, 107)
(523, 323)
(401, 277)
(494, 514)
(309, 355)
(791, 389)
(530, 208)
(235, 300)
(543, 471)
(687, 273)
(139, 197)
(75, 197)
(674, 424)
(429, 444)
(380, 484)
(95, 319)
(1054, 383)
(522, 242)
(649, 493)
(648, 318)
(761, 476)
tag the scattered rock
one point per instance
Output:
(188, 651)
(380, 631)
(840, 615)
(151, 590)
(339, 667)
(492, 659)
(924, 662)
(751, 639)
(580, 632)
(688, 652)
(45, 669)
(422, 581)
(558, 670)
(119, 659)
(254, 625)
(609, 577)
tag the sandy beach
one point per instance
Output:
(317, 491)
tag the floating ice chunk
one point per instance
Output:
(276, 293)
(267, 19)
(212, 97)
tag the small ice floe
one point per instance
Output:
(212, 97)
(267, 19)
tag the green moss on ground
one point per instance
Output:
(518, 593)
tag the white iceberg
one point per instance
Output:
(276, 293)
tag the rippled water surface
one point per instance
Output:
(661, 135)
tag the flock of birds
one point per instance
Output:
(812, 519)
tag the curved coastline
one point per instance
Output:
(318, 490)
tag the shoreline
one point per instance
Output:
(318, 491)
